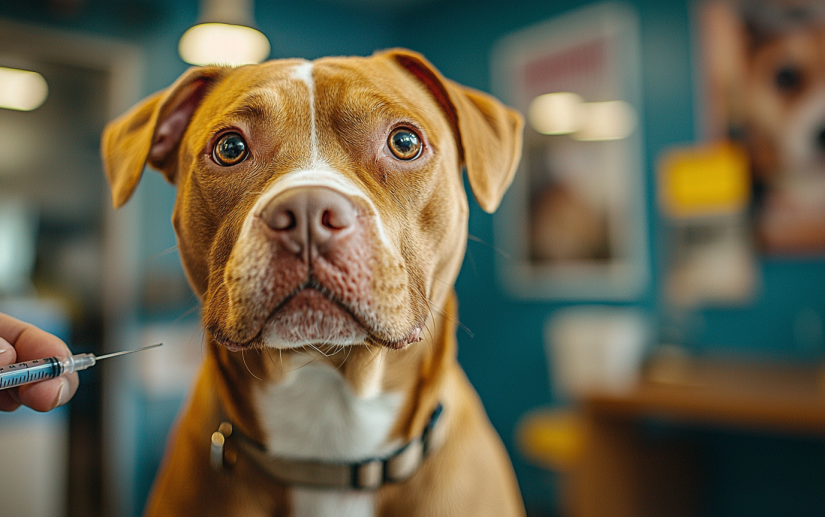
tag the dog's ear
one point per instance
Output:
(150, 132)
(489, 134)
(725, 50)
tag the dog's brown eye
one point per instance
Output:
(230, 150)
(788, 78)
(404, 144)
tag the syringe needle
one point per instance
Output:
(147, 347)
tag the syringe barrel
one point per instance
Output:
(30, 371)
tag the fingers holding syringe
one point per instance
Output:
(34, 343)
(28, 342)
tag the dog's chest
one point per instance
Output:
(313, 414)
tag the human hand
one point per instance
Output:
(20, 341)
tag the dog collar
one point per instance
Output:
(369, 474)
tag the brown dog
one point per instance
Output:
(321, 220)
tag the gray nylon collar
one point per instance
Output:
(368, 474)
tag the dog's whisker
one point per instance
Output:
(425, 327)
(431, 341)
(349, 351)
(312, 359)
(338, 349)
(188, 311)
(448, 284)
(432, 316)
(498, 250)
(269, 354)
(456, 320)
(159, 254)
(243, 357)
(472, 263)
(318, 350)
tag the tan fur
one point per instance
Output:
(424, 213)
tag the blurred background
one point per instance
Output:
(644, 315)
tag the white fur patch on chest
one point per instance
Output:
(329, 503)
(313, 414)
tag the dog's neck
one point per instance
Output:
(337, 404)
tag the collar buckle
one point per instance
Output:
(368, 475)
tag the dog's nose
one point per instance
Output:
(309, 220)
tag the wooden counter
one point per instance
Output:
(620, 474)
(784, 398)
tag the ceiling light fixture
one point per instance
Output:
(22, 90)
(224, 35)
(608, 120)
(556, 113)
(566, 113)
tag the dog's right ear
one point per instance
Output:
(150, 132)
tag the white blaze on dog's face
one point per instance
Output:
(785, 102)
(319, 203)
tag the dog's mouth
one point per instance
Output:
(314, 315)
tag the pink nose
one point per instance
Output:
(308, 221)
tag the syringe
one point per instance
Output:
(41, 369)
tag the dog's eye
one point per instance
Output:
(788, 78)
(404, 144)
(230, 150)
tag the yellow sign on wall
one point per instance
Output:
(704, 180)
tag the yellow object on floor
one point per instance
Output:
(553, 439)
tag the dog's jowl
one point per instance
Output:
(321, 220)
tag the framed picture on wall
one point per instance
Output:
(574, 224)
(760, 70)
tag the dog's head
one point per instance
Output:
(784, 88)
(319, 202)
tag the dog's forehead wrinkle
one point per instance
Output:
(258, 102)
(247, 109)
(350, 84)
(372, 102)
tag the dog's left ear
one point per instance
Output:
(150, 132)
(489, 134)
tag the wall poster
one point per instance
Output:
(762, 73)
(574, 222)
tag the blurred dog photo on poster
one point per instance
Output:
(763, 87)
